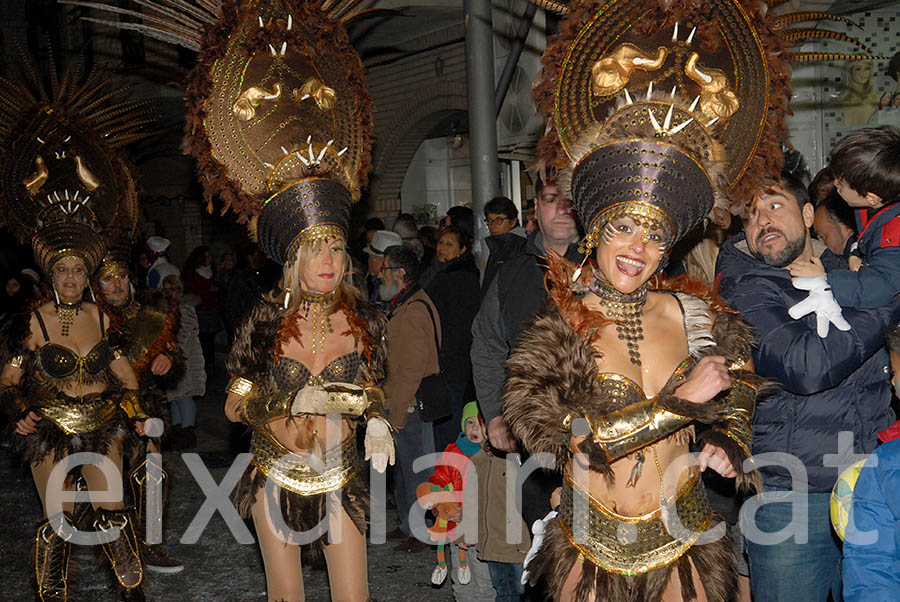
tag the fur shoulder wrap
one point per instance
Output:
(552, 376)
(254, 348)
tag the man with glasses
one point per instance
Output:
(513, 297)
(506, 240)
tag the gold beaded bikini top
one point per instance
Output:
(622, 391)
(292, 374)
(58, 362)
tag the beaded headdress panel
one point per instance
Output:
(279, 118)
(728, 59)
(66, 185)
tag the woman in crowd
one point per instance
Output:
(198, 279)
(193, 383)
(71, 392)
(454, 289)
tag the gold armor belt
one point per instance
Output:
(293, 471)
(76, 415)
(633, 545)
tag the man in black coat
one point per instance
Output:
(512, 299)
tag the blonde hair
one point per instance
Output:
(347, 293)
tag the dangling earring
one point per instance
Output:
(91, 291)
(287, 297)
(55, 294)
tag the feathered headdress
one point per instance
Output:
(728, 59)
(279, 118)
(67, 186)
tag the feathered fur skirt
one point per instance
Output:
(715, 563)
(304, 513)
(49, 438)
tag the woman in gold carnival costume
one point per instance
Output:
(64, 186)
(659, 114)
(279, 121)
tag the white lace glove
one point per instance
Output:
(820, 301)
(379, 444)
(537, 538)
(310, 400)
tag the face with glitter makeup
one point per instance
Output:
(629, 252)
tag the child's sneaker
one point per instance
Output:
(463, 575)
(439, 574)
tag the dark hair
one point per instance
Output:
(407, 226)
(869, 161)
(892, 338)
(821, 185)
(374, 223)
(792, 184)
(462, 237)
(429, 236)
(500, 205)
(194, 259)
(403, 257)
(893, 67)
(838, 210)
(462, 217)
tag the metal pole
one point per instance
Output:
(478, 21)
(515, 51)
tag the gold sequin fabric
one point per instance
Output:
(297, 472)
(77, 415)
(293, 374)
(60, 362)
(622, 177)
(633, 545)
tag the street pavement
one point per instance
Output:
(217, 567)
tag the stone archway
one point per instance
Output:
(400, 137)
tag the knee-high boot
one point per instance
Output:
(51, 563)
(153, 555)
(122, 553)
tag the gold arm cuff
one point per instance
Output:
(117, 354)
(346, 399)
(17, 361)
(241, 386)
(131, 405)
(262, 409)
(621, 432)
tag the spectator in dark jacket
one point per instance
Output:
(832, 384)
(198, 279)
(513, 298)
(461, 217)
(507, 239)
(454, 291)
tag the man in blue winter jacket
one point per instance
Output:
(830, 384)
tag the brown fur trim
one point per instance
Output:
(252, 351)
(707, 413)
(303, 513)
(715, 564)
(551, 372)
(734, 337)
(250, 355)
(744, 481)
